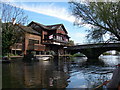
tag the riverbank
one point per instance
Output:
(13, 58)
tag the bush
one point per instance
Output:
(78, 55)
(106, 53)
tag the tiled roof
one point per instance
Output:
(41, 25)
(24, 28)
(28, 29)
(54, 27)
(49, 27)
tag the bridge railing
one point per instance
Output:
(99, 45)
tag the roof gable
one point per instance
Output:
(28, 29)
(38, 24)
(49, 27)
(63, 28)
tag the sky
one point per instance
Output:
(50, 13)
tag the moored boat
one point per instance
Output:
(5, 60)
(44, 58)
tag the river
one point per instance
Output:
(76, 72)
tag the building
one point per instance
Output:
(41, 39)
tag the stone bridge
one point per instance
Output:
(93, 51)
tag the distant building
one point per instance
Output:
(42, 39)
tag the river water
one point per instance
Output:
(76, 72)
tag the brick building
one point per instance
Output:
(42, 39)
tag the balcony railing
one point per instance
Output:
(17, 46)
(52, 41)
(36, 47)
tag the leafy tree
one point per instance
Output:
(103, 17)
(70, 43)
(11, 17)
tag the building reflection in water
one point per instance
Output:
(57, 73)
(42, 74)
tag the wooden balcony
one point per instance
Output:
(36, 47)
(51, 41)
(17, 46)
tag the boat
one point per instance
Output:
(44, 58)
(5, 60)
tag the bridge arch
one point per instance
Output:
(110, 52)
(108, 49)
(93, 51)
(77, 53)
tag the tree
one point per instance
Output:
(70, 43)
(11, 17)
(104, 18)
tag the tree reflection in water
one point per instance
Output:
(57, 73)
(95, 79)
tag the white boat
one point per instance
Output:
(44, 58)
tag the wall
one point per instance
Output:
(30, 36)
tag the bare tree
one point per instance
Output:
(11, 17)
(10, 13)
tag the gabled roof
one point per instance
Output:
(41, 25)
(52, 27)
(24, 28)
(49, 27)
(28, 29)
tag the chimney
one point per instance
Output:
(13, 21)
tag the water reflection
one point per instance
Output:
(111, 60)
(59, 73)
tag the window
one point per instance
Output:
(31, 41)
(59, 38)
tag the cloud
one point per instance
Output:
(35, 0)
(78, 37)
(48, 9)
(83, 86)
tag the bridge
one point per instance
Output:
(93, 51)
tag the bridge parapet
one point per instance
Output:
(101, 45)
(93, 50)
